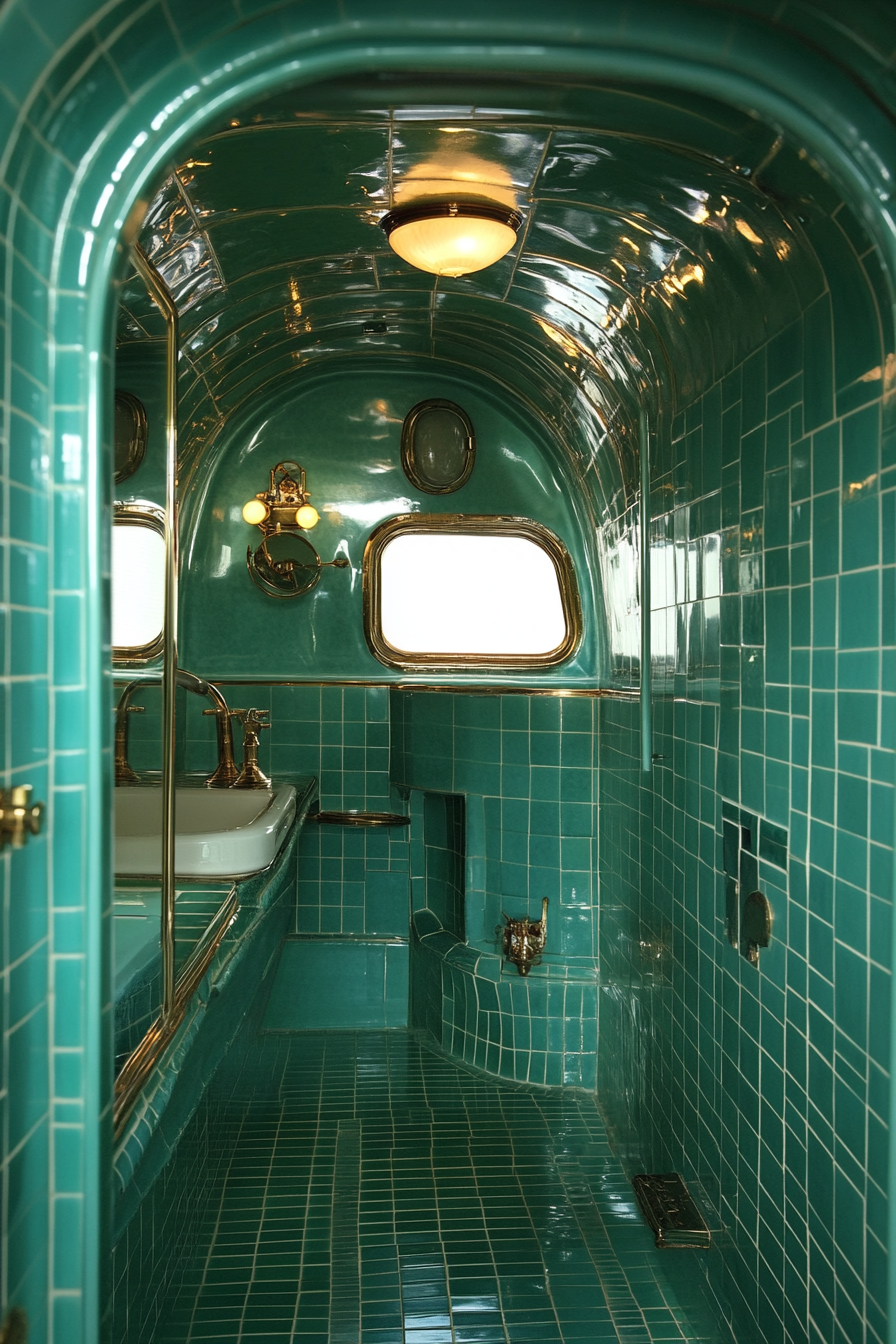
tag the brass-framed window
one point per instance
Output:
(138, 583)
(431, 605)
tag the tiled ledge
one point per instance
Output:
(530, 1029)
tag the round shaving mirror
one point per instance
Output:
(284, 565)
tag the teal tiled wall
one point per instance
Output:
(524, 765)
(501, 795)
(442, 837)
(347, 960)
(351, 881)
(773, 542)
(330, 984)
(77, 85)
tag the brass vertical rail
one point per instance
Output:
(644, 463)
(159, 291)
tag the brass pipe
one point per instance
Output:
(160, 293)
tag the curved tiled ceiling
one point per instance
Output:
(664, 237)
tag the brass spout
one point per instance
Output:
(225, 773)
(524, 939)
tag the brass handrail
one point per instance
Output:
(129, 1083)
(161, 294)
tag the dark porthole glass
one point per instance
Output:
(438, 447)
(130, 435)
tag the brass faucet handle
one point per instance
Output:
(256, 719)
(136, 709)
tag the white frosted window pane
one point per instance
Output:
(470, 594)
(138, 585)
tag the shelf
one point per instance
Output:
(356, 818)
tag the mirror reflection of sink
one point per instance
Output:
(219, 832)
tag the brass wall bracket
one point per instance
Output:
(524, 939)
(19, 817)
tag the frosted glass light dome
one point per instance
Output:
(451, 238)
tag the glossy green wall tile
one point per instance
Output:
(77, 87)
(768, 720)
(345, 430)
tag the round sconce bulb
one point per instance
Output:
(255, 511)
(307, 516)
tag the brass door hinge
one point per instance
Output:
(19, 818)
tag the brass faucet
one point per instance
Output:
(251, 776)
(224, 775)
(524, 939)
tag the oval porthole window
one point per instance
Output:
(130, 435)
(438, 446)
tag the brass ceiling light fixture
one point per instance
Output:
(451, 238)
(454, 213)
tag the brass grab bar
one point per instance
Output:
(139, 1065)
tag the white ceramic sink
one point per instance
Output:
(219, 832)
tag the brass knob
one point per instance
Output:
(19, 817)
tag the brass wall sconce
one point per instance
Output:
(285, 564)
(524, 939)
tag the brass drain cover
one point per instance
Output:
(671, 1212)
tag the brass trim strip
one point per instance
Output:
(589, 692)
(160, 293)
(464, 524)
(138, 1066)
(152, 517)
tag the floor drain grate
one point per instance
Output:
(671, 1212)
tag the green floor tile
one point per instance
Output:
(376, 1193)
